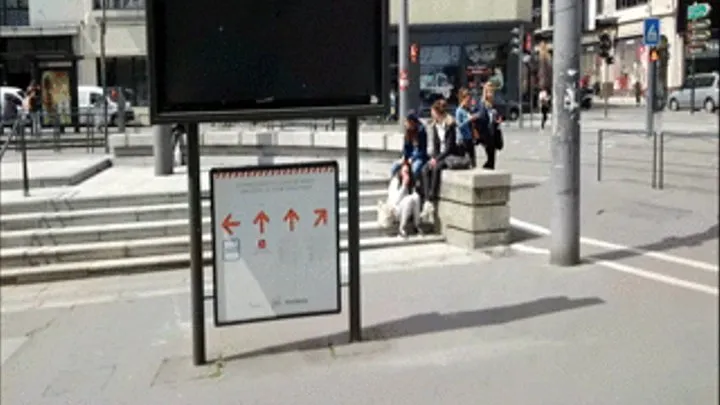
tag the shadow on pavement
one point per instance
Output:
(434, 322)
(664, 244)
(524, 186)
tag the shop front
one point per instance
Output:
(451, 56)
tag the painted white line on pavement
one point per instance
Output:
(537, 229)
(631, 270)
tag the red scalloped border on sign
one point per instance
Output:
(274, 172)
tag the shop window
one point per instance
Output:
(537, 13)
(120, 4)
(130, 74)
(14, 13)
(622, 4)
(439, 73)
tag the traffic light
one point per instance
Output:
(516, 40)
(605, 45)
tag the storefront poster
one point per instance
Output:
(56, 97)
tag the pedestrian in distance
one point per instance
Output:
(487, 128)
(465, 123)
(415, 145)
(544, 100)
(447, 151)
(33, 105)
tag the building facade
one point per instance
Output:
(623, 20)
(454, 38)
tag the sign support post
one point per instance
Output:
(353, 180)
(197, 290)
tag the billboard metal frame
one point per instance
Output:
(260, 114)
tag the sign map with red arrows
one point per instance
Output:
(275, 241)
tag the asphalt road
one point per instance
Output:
(506, 330)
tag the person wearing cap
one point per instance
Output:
(415, 145)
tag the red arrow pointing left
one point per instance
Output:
(228, 224)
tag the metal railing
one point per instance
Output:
(641, 133)
(706, 136)
(658, 140)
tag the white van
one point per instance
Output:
(14, 92)
(90, 104)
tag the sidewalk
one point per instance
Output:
(434, 335)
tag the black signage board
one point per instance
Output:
(219, 60)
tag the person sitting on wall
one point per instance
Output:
(447, 151)
(414, 147)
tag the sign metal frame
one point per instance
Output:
(217, 219)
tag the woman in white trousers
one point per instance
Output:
(402, 203)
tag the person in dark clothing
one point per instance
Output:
(486, 128)
(34, 107)
(544, 99)
(414, 146)
(10, 115)
(447, 151)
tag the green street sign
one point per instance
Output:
(697, 11)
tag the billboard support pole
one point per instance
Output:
(197, 290)
(353, 181)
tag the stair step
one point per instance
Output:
(125, 215)
(128, 231)
(370, 191)
(117, 249)
(174, 261)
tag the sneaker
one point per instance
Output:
(403, 233)
(427, 212)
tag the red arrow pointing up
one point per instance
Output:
(228, 224)
(260, 220)
(291, 218)
(322, 216)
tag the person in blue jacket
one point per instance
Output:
(465, 119)
(414, 147)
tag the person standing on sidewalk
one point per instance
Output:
(34, 106)
(544, 100)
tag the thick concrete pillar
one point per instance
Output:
(162, 150)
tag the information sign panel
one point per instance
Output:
(276, 243)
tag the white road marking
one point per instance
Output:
(537, 229)
(631, 270)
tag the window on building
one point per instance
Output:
(552, 13)
(120, 4)
(621, 4)
(14, 12)
(131, 74)
(537, 13)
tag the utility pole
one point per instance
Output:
(403, 73)
(103, 71)
(565, 172)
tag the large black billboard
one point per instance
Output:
(220, 60)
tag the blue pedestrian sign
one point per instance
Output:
(651, 32)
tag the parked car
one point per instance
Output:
(90, 104)
(707, 87)
(16, 94)
(508, 109)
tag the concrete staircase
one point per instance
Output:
(65, 239)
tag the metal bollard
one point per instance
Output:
(23, 152)
(661, 162)
(653, 182)
(599, 154)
